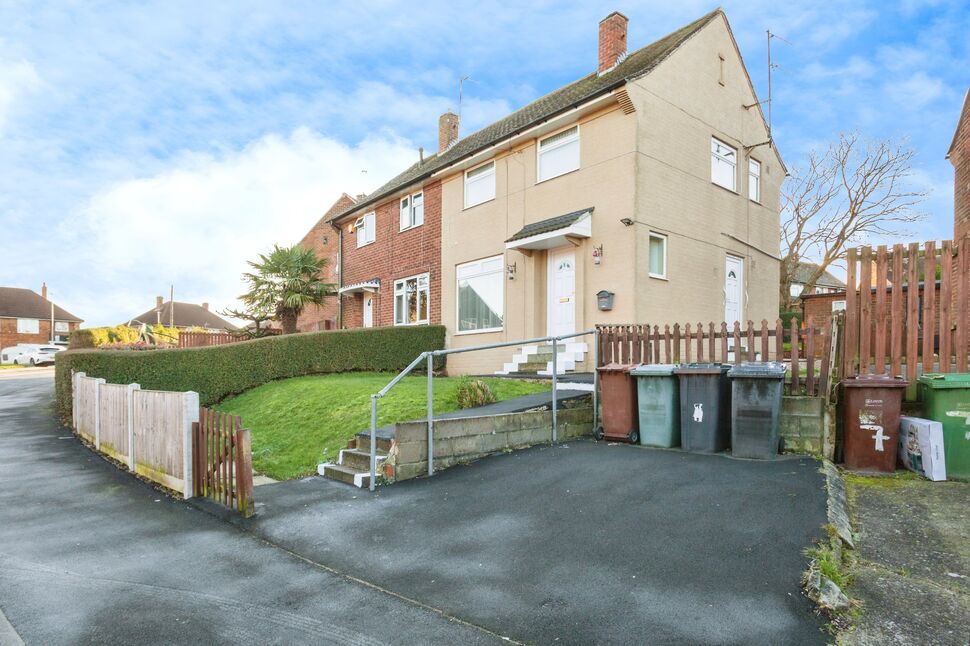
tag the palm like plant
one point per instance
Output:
(286, 281)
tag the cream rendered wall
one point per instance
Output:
(605, 181)
(679, 107)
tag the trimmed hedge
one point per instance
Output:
(216, 372)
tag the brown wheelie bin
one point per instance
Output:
(618, 402)
(871, 407)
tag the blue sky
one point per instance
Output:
(155, 143)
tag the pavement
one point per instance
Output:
(573, 544)
(89, 554)
(579, 543)
(37, 372)
(911, 564)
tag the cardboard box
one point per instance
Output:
(921, 447)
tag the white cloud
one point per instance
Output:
(196, 223)
(16, 79)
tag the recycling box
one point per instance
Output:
(921, 447)
(870, 422)
(705, 407)
(658, 401)
(756, 389)
(946, 399)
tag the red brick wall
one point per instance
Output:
(10, 337)
(322, 238)
(394, 254)
(960, 158)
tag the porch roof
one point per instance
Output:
(371, 285)
(553, 232)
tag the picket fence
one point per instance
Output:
(796, 346)
(150, 431)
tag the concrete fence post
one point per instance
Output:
(75, 382)
(130, 402)
(97, 412)
(190, 415)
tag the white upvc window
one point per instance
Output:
(412, 211)
(838, 306)
(480, 184)
(411, 300)
(366, 228)
(61, 326)
(754, 180)
(481, 295)
(28, 326)
(795, 289)
(558, 154)
(724, 164)
(658, 255)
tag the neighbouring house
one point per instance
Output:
(959, 156)
(826, 283)
(646, 191)
(183, 316)
(25, 317)
(324, 240)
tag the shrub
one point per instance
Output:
(787, 316)
(215, 372)
(472, 393)
(95, 337)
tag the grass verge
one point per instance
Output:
(298, 423)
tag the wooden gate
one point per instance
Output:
(223, 460)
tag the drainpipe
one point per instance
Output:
(340, 274)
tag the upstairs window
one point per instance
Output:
(366, 229)
(724, 163)
(754, 180)
(412, 211)
(411, 300)
(480, 184)
(28, 326)
(559, 154)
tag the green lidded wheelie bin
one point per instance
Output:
(705, 407)
(756, 389)
(658, 400)
(946, 399)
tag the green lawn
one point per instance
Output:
(298, 423)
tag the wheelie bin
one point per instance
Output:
(658, 403)
(705, 407)
(618, 403)
(946, 399)
(756, 389)
(870, 421)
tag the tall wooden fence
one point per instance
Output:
(910, 315)
(796, 346)
(150, 431)
(223, 469)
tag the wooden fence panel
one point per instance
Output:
(928, 326)
(963, 302)
(945, 324)
(223, 460)
(880, 320)
(86, 408)
(897, 310)
(114, 420)
(851, 315)
(161, 450)
(865, 310)
(912, 313)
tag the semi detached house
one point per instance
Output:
(653, 179)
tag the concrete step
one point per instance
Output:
(383, 444)
(360, 460)
(345, 474)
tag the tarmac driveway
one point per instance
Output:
(581, 543)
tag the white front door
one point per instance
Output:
(733, 291)
(562, 292)
(368, 310)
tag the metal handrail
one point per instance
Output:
(429, 357)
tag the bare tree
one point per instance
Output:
(855, 190)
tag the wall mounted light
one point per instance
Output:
(597, 255)
(510, 270)
(627, 222)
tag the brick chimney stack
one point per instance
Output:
(43, 291)
(612, 40)
(205, 306)
(447, 130)
(158, 302)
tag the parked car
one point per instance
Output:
(9, 355)
(42, 355)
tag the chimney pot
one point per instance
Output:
(205, 306)
(43, 290)
(447, 130)
(612, 43)
(158, 302)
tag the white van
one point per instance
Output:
(9, 355)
